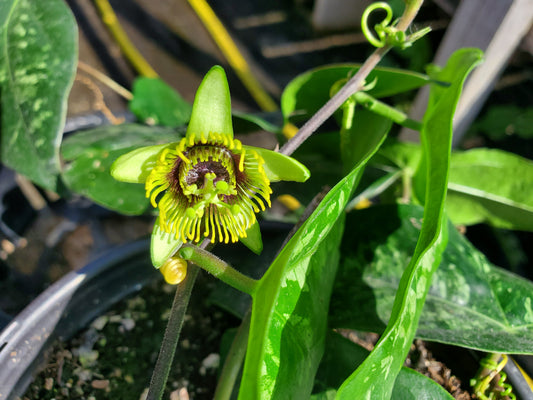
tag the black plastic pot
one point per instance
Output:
(65, 307)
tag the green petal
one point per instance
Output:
(253, 241)
(279, 167)
(211, 111)
(163, 245)
(136, 165)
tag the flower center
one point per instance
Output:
(206, 160)
(208, 178)
(207, 166)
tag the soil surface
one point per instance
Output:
(114, 357)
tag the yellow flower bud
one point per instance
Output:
(174, 270)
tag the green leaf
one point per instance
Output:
(465, 287)
(402, 155)
(266, 121)
(156, 102)
(491, 186)
(375, 377)
(412, 385)
(212, 105)
(88, 158)
(279, 167)
(502, 121)
(342, 356)
(163, 245)
(483, 186)
(354, 137)
(38, 55)
(305, 94)
(289, 310)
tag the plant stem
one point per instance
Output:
(130, 51)
(352, 86)
(218, 268)
(378, 107)
(407, 186)
(172, 333)
(234, 359)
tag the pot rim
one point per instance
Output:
(71, 302)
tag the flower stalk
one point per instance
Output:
(172, 334)
(217, 267)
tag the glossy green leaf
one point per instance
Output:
(491, 186)
(38, 55)
(305, 94)
(375, 377)
(88, 158)
(342, 356)
(289, 310)
(157, 103)
(466, 287)
(163, 245)
(485, 185)
(212, 105)
(135, 166)
(412, 385)
(279, 167)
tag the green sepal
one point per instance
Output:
(135, 166)
(253, 240)
(211, 111)
(163, 245)
(279, 167)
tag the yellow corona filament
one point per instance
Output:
(241, 161)
(182, 156)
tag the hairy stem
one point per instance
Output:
(220, 269)
(172, 333)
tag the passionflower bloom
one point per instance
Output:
(208, 184)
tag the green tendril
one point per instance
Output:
(490, 369)
(388, 34)
(379, 28)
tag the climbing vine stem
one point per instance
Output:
(353, 85)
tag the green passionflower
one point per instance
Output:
(208, 184)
